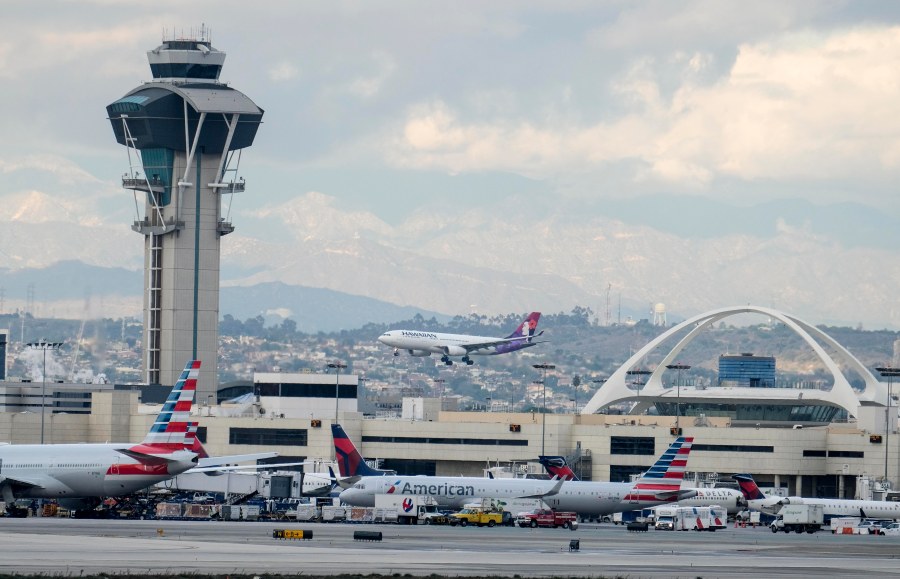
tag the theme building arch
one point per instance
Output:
(616, 389)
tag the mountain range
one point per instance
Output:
(328, 267)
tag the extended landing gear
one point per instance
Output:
(396, 352)
(467, 360)
(446, 360)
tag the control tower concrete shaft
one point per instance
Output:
(184, 131)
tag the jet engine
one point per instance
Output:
(455, 351)
(419, 353)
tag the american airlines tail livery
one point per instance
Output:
(419, 343)
(660, 484)
(80, 474)
(771, 505)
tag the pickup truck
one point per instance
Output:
(476, 516)
(548, 518)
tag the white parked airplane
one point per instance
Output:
(419, 343)
(80, 474)
(832, 507)
(731, 499)
(658, 485)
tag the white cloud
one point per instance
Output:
(808, 106)
(283, 71)
(368, 86)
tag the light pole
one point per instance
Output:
(544, 368)
(44, 345)
(889, 373)
(639, 380)
(338, 366)
(678, 367)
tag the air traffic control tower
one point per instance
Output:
(184, 132)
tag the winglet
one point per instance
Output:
(554, 490)
(557, 466)
(748, 487)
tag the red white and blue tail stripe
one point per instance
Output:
(170, 431)
(662, 482)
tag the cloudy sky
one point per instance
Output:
(693, 117)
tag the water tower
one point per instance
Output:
(184, 132)
(659, 314)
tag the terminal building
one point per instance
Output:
(774, 433)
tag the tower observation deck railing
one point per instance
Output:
(230, 187)
(146, 226)
(145, 185)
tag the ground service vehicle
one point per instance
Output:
(695, 519)
(665, 518)
(410, 509)
(477, 515)
(548, 518)
(799, 518)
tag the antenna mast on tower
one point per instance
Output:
(608, 313)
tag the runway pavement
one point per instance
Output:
(75, 547)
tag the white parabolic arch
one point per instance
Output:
(616, 388)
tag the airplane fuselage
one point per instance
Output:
(731, 499)
(420, 343)
(832, 507)
(586, 498)
(81, 470)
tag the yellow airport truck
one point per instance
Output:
(477, 514)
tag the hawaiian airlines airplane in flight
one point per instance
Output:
(660, 484)
(419, 343)
(832, 507)
(732, 500)
(80, 474)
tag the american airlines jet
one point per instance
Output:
(832, 507)
(419, 343)
(80, 474)
(661, 484)
(731, 499)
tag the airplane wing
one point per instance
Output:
(20, 482)
(215, 460)
(144, 458)
(491, 343)
(344, 483)
(243, 467)
(553, 491)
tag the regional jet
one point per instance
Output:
(79, 475)
(659, 485)
(420, 343)
(832, 507)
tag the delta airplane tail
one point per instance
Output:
(527, 328)
(748, 487)
(350, 462)
(558, 467)
(662, 482)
